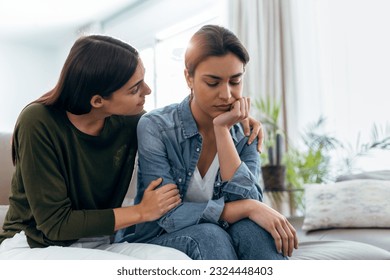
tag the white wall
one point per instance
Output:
(30, 65)
(26, 72)
(139, 25)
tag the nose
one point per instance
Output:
(147, 89)
(226, 92)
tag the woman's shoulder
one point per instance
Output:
(163, 115)
(34, 108)
(36, 114)
(34, 111)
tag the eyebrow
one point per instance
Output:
(133, 86)
(219, 78)
(139, 82)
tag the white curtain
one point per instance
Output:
(266, 28)
(322, 58)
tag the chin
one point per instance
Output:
(137, 112)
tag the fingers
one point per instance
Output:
(287, 246)
(278, 240)
(154, 184)
(295, 239)
(167, 188)
(246, 126)
(288, 239)
(244, 114)
(169, 194)
(173, 202)
(255, 130)
(244, 108)
(261, 139)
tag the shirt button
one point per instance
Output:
(197, 149)
(189, 173)
(218, 184)
(180, 180)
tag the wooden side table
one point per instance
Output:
(282, 201)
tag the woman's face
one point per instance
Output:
(129, 99)
(216, 84)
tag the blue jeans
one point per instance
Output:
(243, 240)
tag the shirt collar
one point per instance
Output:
(187, 121)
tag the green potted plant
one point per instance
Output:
(273, 170)
(313, 161)
(310, 163)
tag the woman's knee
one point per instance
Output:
(202, 242)
(213, 242)
(252, 241)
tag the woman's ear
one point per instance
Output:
(97, 101)
(189, 79)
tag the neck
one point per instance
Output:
(90, 123)
(203, 121)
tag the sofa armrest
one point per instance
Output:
(3, 212)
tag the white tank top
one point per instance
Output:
(201, 189)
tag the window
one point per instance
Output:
(343, 75)
(165, 63)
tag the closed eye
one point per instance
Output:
(135, 89)
(235, 83)
(212, 84)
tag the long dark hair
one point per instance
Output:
(213, 40)
(96, 64)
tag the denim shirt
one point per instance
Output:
(169, 146)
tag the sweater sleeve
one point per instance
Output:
(46, 188)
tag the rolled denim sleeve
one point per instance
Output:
(152, 157)
(190, 213)
(245, 183)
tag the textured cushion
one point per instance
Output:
(355, 203)
(375, 175)
(338, 250)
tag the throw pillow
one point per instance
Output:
(356, 203)
(375, 175)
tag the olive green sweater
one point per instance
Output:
(66, 183)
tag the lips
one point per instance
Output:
(224, 107)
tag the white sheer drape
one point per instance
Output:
(323, 58)
(266, 29)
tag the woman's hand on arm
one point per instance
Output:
(272, 221)
(154, 204)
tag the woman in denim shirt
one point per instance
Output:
(200, 146)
